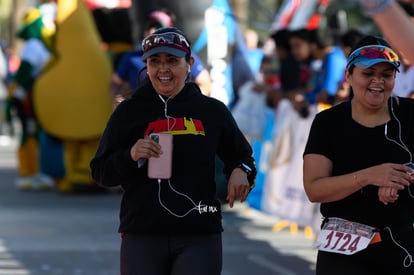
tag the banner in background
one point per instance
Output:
(297, 14)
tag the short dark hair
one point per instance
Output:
(350, 38)
(302, 34)
(322, 37)
(281, 39)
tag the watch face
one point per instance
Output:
(246, 168)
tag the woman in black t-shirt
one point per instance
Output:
(356, 164)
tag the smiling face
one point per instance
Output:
(167, 73)
(372, 86)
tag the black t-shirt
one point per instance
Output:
(351, 147)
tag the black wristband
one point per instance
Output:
(251, 174)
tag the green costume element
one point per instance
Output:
(34, 27)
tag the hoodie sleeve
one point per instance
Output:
(234, 149)
(112, 164)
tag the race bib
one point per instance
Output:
(344, 237)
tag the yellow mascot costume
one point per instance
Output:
(71, 97)
(34, 55)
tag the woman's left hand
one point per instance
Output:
(238, 186)
(387, 194)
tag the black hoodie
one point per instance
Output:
(201, 127)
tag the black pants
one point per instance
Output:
(171, 255)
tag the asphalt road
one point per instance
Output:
(49, 233)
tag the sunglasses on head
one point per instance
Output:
(374, 51)
(165, 39)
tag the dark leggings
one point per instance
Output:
(171, 255)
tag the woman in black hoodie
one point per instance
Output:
(172, 225)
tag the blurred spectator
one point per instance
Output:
(332, 70)
(283, 191)
(404, 79)
(254, 50)
(289, 66)
(251, 108)
(347, 41)
(299, 42)
(12, 64)
(246, 59)
(292, 72)
(3, 90)
(300, 46)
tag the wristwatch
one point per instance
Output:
(251, 177)
(245, 168)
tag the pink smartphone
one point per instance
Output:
(160, 168)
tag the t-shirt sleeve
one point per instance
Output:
(319, 137)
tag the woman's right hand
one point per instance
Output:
(391, 175)
(390, 178)
(145, 148)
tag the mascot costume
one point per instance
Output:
(71, 97)
(37, 33)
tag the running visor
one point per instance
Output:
(370, 55)
(168, 42)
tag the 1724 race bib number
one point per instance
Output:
(344, 237)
